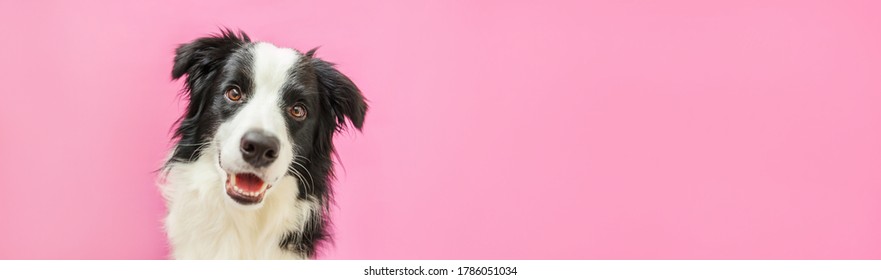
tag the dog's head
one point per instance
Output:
(263, 113)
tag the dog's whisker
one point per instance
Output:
(200, 146)
(302, 157)
(196, 144)
(310, 186)
(312, 180)
(302, 179)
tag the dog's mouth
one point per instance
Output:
(246, 188)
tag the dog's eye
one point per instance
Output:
(298, 111)
(234, 94)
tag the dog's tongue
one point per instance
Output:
(248, 182)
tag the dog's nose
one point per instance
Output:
(259, 148)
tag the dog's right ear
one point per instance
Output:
(198, 58)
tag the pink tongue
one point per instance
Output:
(248, 182)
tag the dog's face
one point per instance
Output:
(263, 112)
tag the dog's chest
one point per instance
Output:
(244, 240)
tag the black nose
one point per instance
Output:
(259, 148)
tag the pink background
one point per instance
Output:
(498, 129)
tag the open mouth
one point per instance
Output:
(246, 188)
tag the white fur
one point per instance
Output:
(271, 68)
(203, 222)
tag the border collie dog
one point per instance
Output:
(250, 173)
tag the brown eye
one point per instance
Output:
(298, 111)
(234, 94)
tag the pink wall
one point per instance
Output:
(498, 130)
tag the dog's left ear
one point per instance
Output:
(340, 93)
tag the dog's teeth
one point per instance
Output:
(240, 191)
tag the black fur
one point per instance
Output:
(212, 64)
(203, 61)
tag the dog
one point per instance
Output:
(250, 172)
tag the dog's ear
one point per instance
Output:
(340, 93)
(200, 57)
